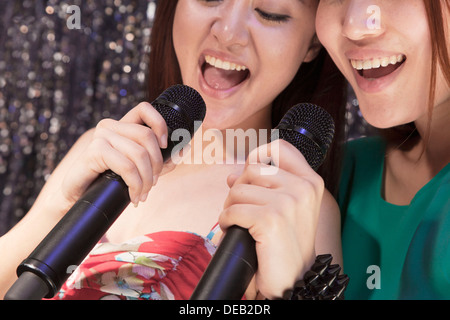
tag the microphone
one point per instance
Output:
(42, 274)
(310, 129)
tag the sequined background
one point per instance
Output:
(56, 83)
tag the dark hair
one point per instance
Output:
(318, 81)
(406, 136)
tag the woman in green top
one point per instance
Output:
(395, 190)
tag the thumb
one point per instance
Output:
(232, 179)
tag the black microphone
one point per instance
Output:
(310, 129)
(42, 274)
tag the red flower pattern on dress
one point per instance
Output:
(163, 265)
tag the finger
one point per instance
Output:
(242, 215)
(139, 134)
(283, 155)
(145, 113)
(249, 194)
(141, 159)
(231, 179)
(261, 221)
(111, 159)
(169, 166)
(256, 174)
(136, 153)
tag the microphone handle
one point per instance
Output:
(231, 268)
(75, 235)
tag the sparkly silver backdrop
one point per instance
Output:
(56, 83)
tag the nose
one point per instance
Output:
(230, 28)
(363, 19)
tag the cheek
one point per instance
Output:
(442, 89)
(185, 34)
(178, 34)
(328, 30)
(323, 23)
(293, 53)
(278, 73)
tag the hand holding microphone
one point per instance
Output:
(275, 209)
(46, 269)
(138, 146)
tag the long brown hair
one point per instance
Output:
(406, 136)
(317, 82)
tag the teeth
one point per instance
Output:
(225, 65)
(377, 62)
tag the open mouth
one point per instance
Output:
(223, 75)
(378, 67)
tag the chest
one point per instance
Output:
(404, 177)
(179, 202)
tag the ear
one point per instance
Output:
(313, 50)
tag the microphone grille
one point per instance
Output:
(310, 129)
(180, 106)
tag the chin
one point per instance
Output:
(384, 113)
(376, 116)
(384, 120)
(220, 119)
(215, 123)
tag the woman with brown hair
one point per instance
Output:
(250, 61)
(395, 190)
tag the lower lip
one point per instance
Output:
(376, 85)
(217, 94)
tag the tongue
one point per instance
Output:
(220, 79)
(380, 72)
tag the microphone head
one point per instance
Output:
(181, 106)
(310, 129)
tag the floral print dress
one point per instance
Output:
(160, 266)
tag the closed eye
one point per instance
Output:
(272, 17)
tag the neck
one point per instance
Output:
(229, 146)
(435, 142)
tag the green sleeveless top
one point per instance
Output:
(390, 251)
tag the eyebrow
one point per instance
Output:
(304, 1)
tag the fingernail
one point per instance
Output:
(144, 197)
(163, 141)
